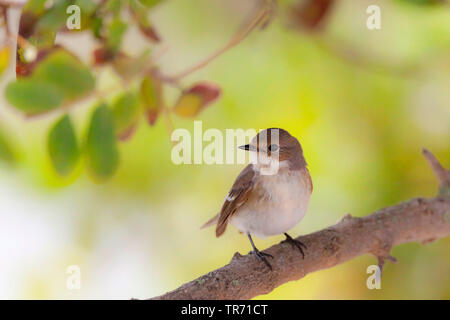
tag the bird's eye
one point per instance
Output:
(273, 147)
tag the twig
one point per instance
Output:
(261, 14)
(13, 3)
(4, 11)
(419, 219)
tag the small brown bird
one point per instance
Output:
(271, 195)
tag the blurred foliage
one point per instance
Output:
(51, 77)
(62, 146)
(6, 151)
(101, 146)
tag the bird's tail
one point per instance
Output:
(211, 222)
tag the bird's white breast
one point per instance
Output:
(278, 202)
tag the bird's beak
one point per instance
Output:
(247, 147)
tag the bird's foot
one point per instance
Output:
(295, 243)
(262, 256)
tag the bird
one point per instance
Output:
(271, 194)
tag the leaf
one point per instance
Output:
(116, 30)
(35, 6)
(29, 17)
(150, 32)
(88, 19)
(66, 73)
(140, 15)
(101, 148)
(59, 74)
(125, 112)
(6, 151)
(151, 95)
(62, 146)
(4, 58)
(53, 18)
(127, 67)
(310, 14)
(32, 96)
(189, 105)
(103, 55)
(35, 42)
(150, 3)
(28, 59)
(114, 6)
(195, 99)
(87, 7)
(207, 91)
(96, 25)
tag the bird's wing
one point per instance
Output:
(237, 196)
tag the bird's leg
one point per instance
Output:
(295, 243)
(261, 255)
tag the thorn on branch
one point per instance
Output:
(382, 253)
(347, 217)
(236, 256)
(428, 241)
(272, 8)
(439, 171)
(382, 259)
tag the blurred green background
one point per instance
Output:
(362, 103)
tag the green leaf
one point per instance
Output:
(62, 146)
(6, 151)
(87, 7)
(150, 3)
(88, 18)
(150, 91)
(116, 31)
(196, 98)
(96, 26)
(128, 67)
(65, 72)
(101, 148)
(53, 18)
(32, 96)
(151, 94)
(35, 6)
(125, 112)
(114, 6)
(28, 51)
(188, 105)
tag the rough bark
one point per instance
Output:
(418, 220)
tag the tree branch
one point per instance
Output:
(419, 220)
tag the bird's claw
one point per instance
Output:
(262, 256)
(295, 243)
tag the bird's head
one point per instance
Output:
(275, 146)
